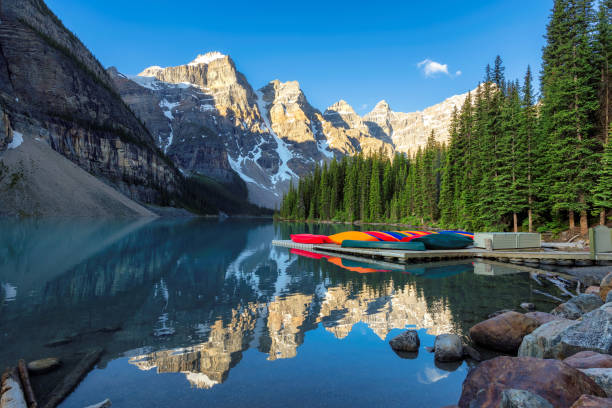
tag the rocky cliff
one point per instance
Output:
(206, 116)
(53, 89)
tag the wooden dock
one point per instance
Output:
(513, 256)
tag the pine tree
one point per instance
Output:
(375, 193)
(527, 139)
(603, 191)
(569, 85)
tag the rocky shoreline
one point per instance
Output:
(561, 358)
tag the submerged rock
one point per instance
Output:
(589, 359)
(522, 399)
(602, 376)
(576, 307)
(471, 352)
(552, 380)
(43, 365)
(407, 341)
(590, 401)
(528, 306)
(504, 332)
(448, 347)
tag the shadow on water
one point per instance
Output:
(201, 311)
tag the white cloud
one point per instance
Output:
(458, 73)
(431, 68)
(364, 106)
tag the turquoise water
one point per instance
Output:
(204, 313)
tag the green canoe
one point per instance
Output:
(444, 241)
(406, 246)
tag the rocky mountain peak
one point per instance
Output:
(151, 71)
(205, 59)
(283, 92)
(341, 108)
(342, 115)
(382, 106)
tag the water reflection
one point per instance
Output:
(193, 296)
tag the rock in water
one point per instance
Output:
(605, 286)
(471, 352)
(542, 317)
(528, 306)
(104, 404)
(504, 332)
(554, 381)
(543, 340)
(589, 401)
(602, 376)
(448, 347)
(43, 365)
(522, 399)
(589, 359)
(576, 307)
(407, 341)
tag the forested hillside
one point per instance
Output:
(512, 163)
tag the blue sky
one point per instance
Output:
(359, 52)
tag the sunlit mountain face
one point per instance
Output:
(203, 311)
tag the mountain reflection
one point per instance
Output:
(192, 296)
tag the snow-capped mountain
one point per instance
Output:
(208, 119)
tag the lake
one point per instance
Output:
(194, 312)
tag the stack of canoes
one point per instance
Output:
(405, 240)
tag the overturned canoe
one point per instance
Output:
(431, 240)
(406, 246)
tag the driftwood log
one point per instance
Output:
(70, 382)
(26, 385)
(11, 394)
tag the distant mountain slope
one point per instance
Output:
(52, 88)
(206, 116)
(35, 180)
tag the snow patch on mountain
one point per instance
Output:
(207, 58)
(284, 154)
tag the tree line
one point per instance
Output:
(512, 162)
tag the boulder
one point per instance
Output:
(592, 290)
(589, 401)
(522, 399)
(504, 332)
(407, 341)
(589, 359)
(448, 347)
(542, 317)
(552, 380)
(543, 340)
(609, 297)
(602, 376)
(605, 286)
(593, 332)
(577, 306)
(43, 365)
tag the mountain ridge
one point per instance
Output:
(270, 136)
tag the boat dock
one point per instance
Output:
(529, 256)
